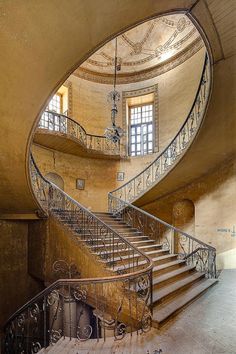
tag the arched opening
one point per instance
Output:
(56, 179)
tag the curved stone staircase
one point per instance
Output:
(175, 282)
(148, 272)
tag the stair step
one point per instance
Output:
(161, 294)
(162, 313)
(168, 265)
(170, 275)
(146, 242)
(125, 258)
(157, 252)
(149, 247)
(163, 258)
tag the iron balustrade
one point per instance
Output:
(60, 123)
(120, 303)
(117, 305)
(102, 239)
(51, 315)
(167, 159)
(196, 252)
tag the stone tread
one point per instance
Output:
(168, 265)
(155, 259)
(167, 276)
(160, 294)
(127, 257)
(150, 246)
(161, 313)
(146, 241)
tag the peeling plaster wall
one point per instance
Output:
(215, 214)
(99, 175)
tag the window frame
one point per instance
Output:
(142, 151)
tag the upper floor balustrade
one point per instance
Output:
(171, 155)
(62, 125)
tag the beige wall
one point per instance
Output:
(176, 93)
(215, 215)
(99, 175)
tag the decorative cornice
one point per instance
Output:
(143, 75)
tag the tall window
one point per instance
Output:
(50, 121)
(141, 130)
(55, 104)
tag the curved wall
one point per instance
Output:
(176, 93)
(214, 219)
(178, 86)
(38, 48)
(99, 175)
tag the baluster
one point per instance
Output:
(44, 322)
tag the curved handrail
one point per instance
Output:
(186, 246)
(50, 193)
(168, 158)
(133, 284)
(60, 123)
(120, 205)
(50, 315)
(182, 243)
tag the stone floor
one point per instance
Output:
(206, 326)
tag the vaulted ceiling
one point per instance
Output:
(144, 49)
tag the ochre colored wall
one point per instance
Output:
(178, 86)
(49, 241)
(28, 31)
(215, 216)
(60, 244)
(91, 109)
(99, 175)
(16, 285)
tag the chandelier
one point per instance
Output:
(113, 132)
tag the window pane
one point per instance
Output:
(141, 137)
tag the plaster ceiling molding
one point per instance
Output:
(144, 51)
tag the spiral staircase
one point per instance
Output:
(151, 270)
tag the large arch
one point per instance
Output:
(43, 42)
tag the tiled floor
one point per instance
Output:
(207, 326)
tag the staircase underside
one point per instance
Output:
(62, 142)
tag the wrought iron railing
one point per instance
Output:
(193, 250)
(120, 303)
(60, 123)
(172, 154)
(116, 250)
(82, 309)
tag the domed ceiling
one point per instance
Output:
(143, 51)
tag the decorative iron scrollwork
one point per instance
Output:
(53, 297)
(84, 333)
(54, 336)
(56, 122)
